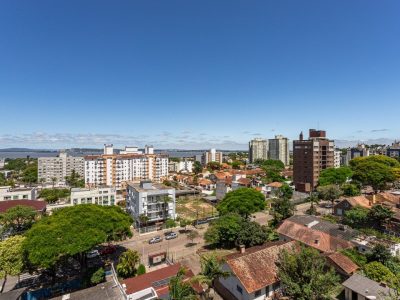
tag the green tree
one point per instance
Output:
(243, 201)
(224, 231)
(285, 191)
(379, 253)
(211, 270)
(252, 234)
(127, 263)
(170, 223)
(314, 200)
(214, 166)
(329, 192)
(184, 223)
(350, 190)
(197, 168)
(336, 176)
(72, 231)
(192, 235)
(357, 217)
(379, 215)
(53, 195)
(141, 269)
(3, 179)
(98, 277)
(74, 180)
(375, 171)
(30, 174)
(282, 208)
(18, 218)
(12, 258)
(179, 289)
(303, 274)
(378, 272)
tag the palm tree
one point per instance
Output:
(166, 200)
(211, 270)
(127, 263)
(314, 200)
(180, 290)
(53, 181)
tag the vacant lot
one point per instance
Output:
(193, 208)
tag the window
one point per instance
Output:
(257, 293)
(239, 289)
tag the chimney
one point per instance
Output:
(242, 248)
(301, 136)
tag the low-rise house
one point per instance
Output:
(351, 202)
(222, 188)
(366, 243)
(358, 287)
(342, 264)
(241, 182)
(253, 272)
(206, 184)
(100, 196)
(21, 193)
(273, 187)
(324, 236)
(154, 285)
(154, 200)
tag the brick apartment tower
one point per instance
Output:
(310, 157)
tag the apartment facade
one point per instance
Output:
(101, 196)
(2, 162)
(9, 193)
(115, 170)
(59, 168)
(211, 156)
(278, 149)
(337, 158)
(360, 151)
(258, 149)
(185, 166)
(393, 151)
(154, 200)
(310, 158)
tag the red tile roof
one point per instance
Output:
(256, 267)
(314, 238)
(141, 282)
(275, 184)
(244, 181)
(359, 201)
(343, 262)
(35, 204)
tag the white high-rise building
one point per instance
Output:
(52, 169)
(154, 200)
(279, 149)
(258, 149)
(111, 169)
(337, 158)
(211, 156)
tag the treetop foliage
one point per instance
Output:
(243, 201)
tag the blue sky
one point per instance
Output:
(195, 74)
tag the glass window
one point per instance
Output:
(239, 289)
(257, 293)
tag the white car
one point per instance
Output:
(92, 254)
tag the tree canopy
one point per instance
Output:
(243, 201)
(336, 176)
(304, 276)
(17, 218)
(376, 171)
(53, 195)
(128, 263)
(72, 231)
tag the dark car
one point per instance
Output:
(156, 239)
(171, 235)
(110, 249)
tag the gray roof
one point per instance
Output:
(366, 287)
(345, 233)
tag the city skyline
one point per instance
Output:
(81, 74)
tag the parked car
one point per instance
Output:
(107, 250)
(92, 254)
(171, 235)
(156, 239)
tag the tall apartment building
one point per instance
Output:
(337, 158)
(258, 149)
(154, 200)
(59, 167)
(211, 156)
(111, 169)
(310, 157)
(2, 162)
(360, 151)
(278, 149)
